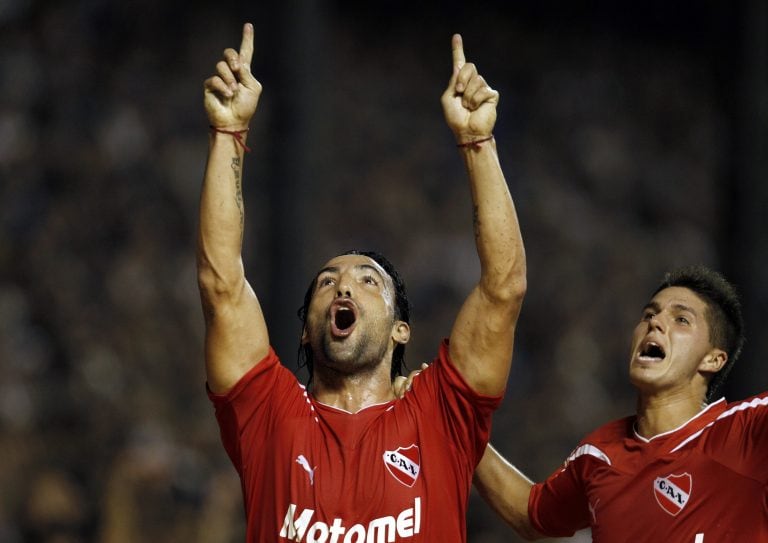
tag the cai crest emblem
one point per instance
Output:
(673, 492)
(403, 464)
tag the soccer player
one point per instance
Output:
(345, 461)
(687, 467)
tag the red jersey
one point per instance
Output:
(398, 471)
(704, 482)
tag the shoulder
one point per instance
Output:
(605, 442)
(753, 407)
(441, 380)
(758, 402)
(611, 432)
(267, 377)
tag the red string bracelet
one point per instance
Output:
(475, 144)
(237, 134)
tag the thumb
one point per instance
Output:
(248, 80)
(399, 386)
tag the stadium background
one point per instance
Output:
(633, 138)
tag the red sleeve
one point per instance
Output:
(747, 436)
(757, 430)
(260, 399)
(441, 392)
(558, 506)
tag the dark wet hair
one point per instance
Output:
(726, 324)
(402, 313)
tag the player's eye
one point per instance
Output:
(325, 281)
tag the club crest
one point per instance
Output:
(673, 492)
(403, 464)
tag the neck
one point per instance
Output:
(661, 413)
(355, 391)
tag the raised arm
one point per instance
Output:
(483, 335)
(506, 490)
(235, 332)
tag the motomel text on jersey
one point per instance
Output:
(379, 530)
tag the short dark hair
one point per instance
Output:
(402, 313)
(726, 324)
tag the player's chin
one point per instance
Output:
(644, 378)
(342, 351)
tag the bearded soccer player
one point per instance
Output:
(686, 468)
(345, 461)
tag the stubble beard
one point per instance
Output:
(353, 354)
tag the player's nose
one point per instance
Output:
(344, 289)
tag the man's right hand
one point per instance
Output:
(232, 94)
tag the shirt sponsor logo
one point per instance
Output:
(380, 530)
(673, 492)
(403, 464)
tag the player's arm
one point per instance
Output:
(506, 490)
(235, 332)
(482, 337)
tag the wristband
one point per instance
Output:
(475, 144)
(237, 134)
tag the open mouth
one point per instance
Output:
(343, 318)
(652, 352)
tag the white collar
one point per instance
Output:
(683, 425)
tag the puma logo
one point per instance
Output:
(592, 509)
(300, 460)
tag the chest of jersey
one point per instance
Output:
(370, 471)
(648, 494)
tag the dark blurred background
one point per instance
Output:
(633, 138)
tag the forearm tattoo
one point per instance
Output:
(476, 221)
(236, 168)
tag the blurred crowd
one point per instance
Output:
(613, 148)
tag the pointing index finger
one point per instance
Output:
(246, 46)
(458, 52)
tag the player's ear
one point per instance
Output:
(714, 361)
(401, 332)
(304, 336)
